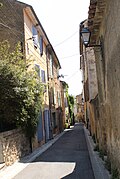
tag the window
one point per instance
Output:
(54, 96)
(37, 69)
(51, 67)
(43, 76)
(57, 71)
(35, 36)
(41, 45)
(59, 98)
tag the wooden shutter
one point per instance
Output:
(51, 66)
(41, 45)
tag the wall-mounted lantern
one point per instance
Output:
(85, 36)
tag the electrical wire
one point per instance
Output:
(69, 56)
(66, 39)
(5, 25)
(14, 10)
(72, 75)
(11, 29)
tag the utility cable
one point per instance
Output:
(5, 25)
(66, 39)
(14, 10)
(69, 56)
(11, 29)
(72, 75)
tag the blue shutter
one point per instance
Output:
(41, 45)
(35, 36)
(40, 128)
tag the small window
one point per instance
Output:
(37, 69)
(43, 76)
(54, 96)
(59, 98)
(51, 67)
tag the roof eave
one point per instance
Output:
(95, 17)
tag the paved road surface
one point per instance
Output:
(68, 158)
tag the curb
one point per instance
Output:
(100, 172)
(11, 171)
(41, 149)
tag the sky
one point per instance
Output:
(60, 20)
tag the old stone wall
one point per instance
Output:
(92, 118)
(12, 22)
(108, 70)
(14, 145)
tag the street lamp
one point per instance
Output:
(85, 35)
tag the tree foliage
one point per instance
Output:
(70, 99)
(71, 105)
(21, 93)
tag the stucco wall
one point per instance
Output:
(112, 57)
(109, 80)
(92, 78)
(33, 55)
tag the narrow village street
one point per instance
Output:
(67, 158)
(59, 89)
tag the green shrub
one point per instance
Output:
(67, 125)
(108, 165)
(21, 93)
(101, 154)
(115, 174)
(96, 148)
(93, 137)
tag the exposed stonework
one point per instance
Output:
(14, 145)
(96, 13)
(12, 26)
(103, 21)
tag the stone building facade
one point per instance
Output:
(88, 67)
(55, 91)
(104, 25)
(19, 23)
(79, 103)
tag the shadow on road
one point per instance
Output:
(71, 148)
(67, 158)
